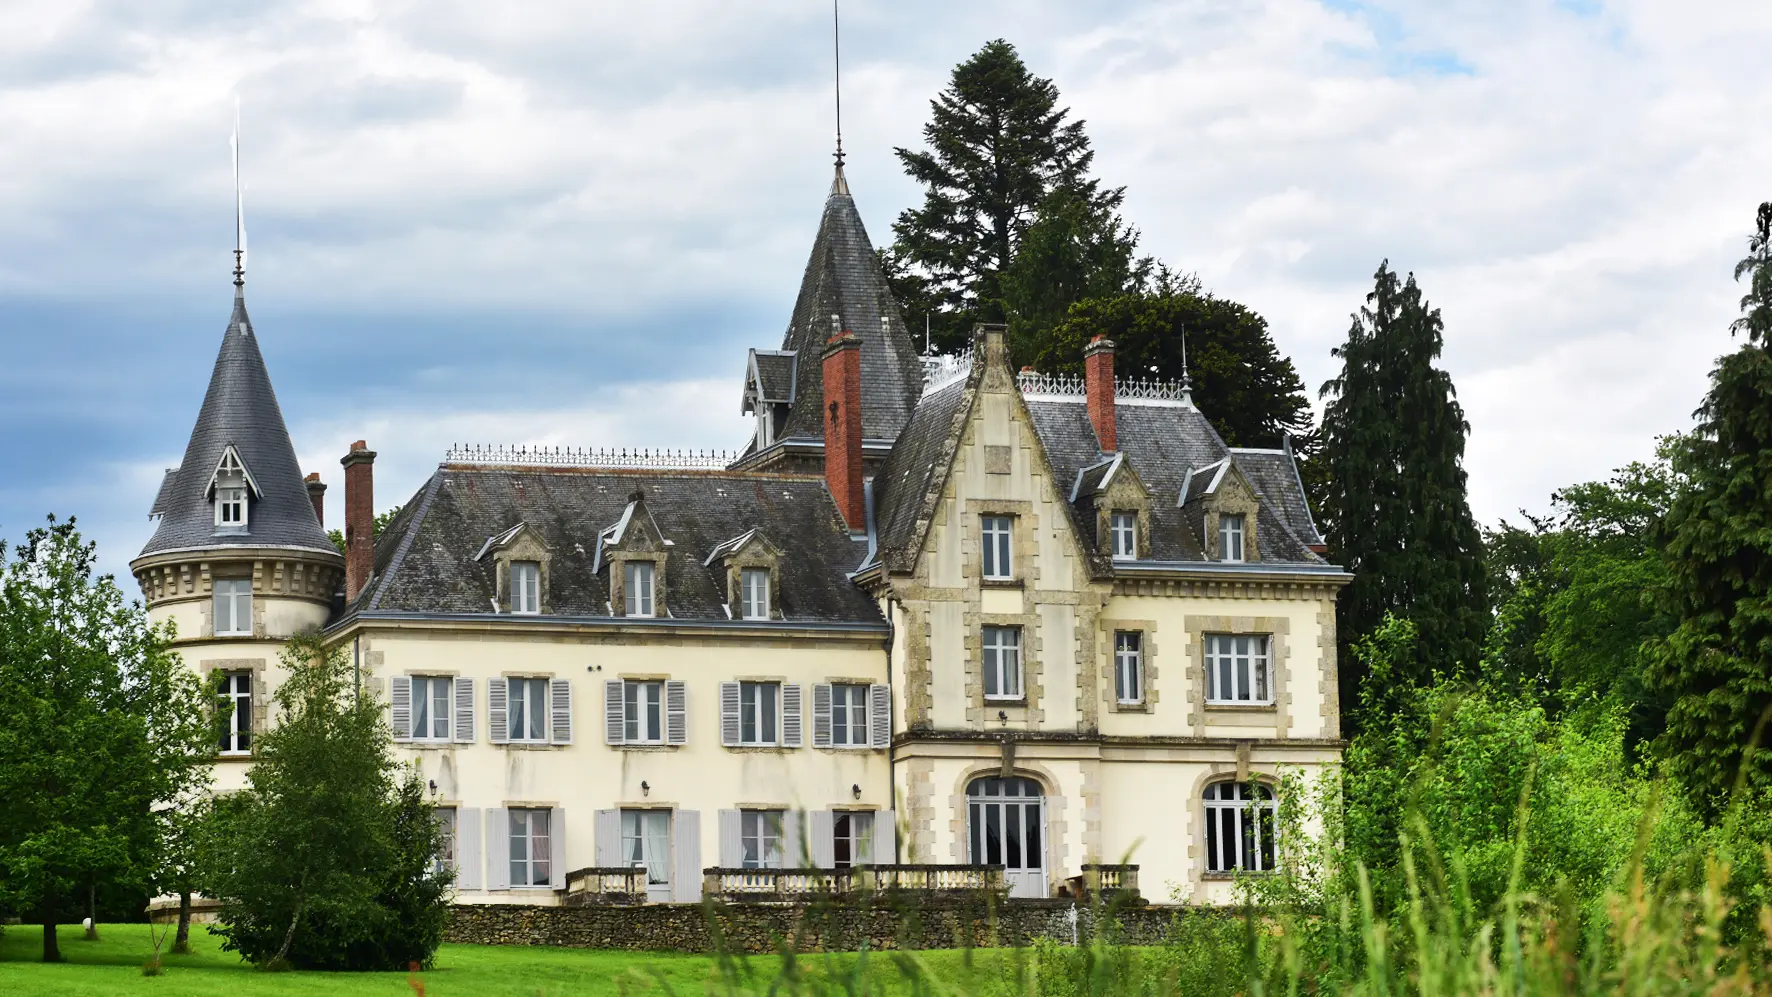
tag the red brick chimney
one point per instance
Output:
(1098, 385)
(317, 495)
(842, 427)
(359, 467)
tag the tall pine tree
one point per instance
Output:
(1717, 664)
(1394, 508)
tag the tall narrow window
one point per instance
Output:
(431, 708)
(1240, 828)
(230, 495)
(1230, 537)
(753, 584)
(852, 838)
(1238, 670)
(646, 842)
(1125, 530)
(996, 532)
(233, 607)
(1002, 663)
(637, 581)
(446, 851)
(1129, 666)
(643, 712)
(528, 710)
(849, 716)
(531, 848)
(757, 712)
(760, 837)
(525, 587)
(236, 711)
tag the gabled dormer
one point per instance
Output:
(1111, 493)
(231, 491)
(753, 575)
(769, 392)
(520, 560)
(1221, 500)
(634, 551)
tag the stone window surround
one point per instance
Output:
(1240, 771)
(757, 553)
(777, 748)
(1111, 626)
(261, 693)
(207, 606)
(1278, 630)
(1024, 709)
(1056, 825)
(1124, 494)
(1232, 497)
(618, 582)
(526, 545)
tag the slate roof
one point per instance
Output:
(426, 559)
(904, 480)
(240, 409)
(843, 278)
(1274, 473)
(773, 373)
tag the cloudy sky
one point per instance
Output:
(563, 222)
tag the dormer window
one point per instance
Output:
(526, 587)
(1230, 537)
(637, 582)
(230, 494)
(754, 587)
(1125, 535)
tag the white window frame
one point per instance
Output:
(1123, 527)
(636, 828)
(532, 828)
(1000, 654)
(1242, 828)
(760, 833)
(237, 593)
(449, 823)
(643, 711)
(231, 507)
(638, 590)
(1239, 670)
(849, 715)
(531, 713)
(236, 699)
(997, 534)
(425, 692)
(526, 588)
(1129, 667)
(854, 831)
(1231, 535)
(757, 702)
(753, 591)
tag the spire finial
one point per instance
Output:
(239, 204)
(1187, 380)
(837, 51)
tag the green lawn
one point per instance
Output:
(113, 964)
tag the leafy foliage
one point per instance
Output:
(1074, 250)
(382, 519)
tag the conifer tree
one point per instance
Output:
(1717, 664)
(1394, 508)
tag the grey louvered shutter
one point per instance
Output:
(560, 712)
(793, 855)
(470, 860)
(615, 720)
(821, 716)
(729, 715)
(498, 849)
(731, 839)
(686, 856)
(879, 716)
(885, 838)
(676, 712)
(400, 707)
(498, 708)
(791, 733)
(823, 843)
(608, 838)
(557, 848)
(464, 710)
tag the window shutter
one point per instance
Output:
(470, 864)
(557, 848)
(560, 698)
(400, 708)
(793, 855)
(608, 838)
(686, 856)
(498, 711)
(676, 712)
(464, 710)
(728, 720)
(614, 713)
(879, 716)
(821, 716)
(498, 849)
(885, 838)
(824, 832)
(791, 733)
(731, 840)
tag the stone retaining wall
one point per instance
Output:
(763, 927)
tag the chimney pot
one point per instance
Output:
(359, 467)
(1098, 385)
(842, 427)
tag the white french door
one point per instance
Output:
(1006, 824)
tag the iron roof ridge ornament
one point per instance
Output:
(623, 458)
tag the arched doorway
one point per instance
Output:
(1006, 826)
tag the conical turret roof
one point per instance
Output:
(239, 411)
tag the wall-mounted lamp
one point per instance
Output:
(645, 787)
(433, 787)
(855, 790)
(1003, 715)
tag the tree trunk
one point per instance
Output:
(282, 956)
(181, 942)
(52, 952)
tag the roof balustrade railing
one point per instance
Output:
(638, 458)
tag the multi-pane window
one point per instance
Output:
(446, 844)
(852, 838)
(1002, 662)
(1129, 666)
(996, 531)
(430, 707)
(849, 716)
(1124, 526)
(646, 842)
(230, 495)
(1230, 537)
(637, 583)
(643, 712)
(753, 584)
(528, 713)
(236, 713)
(1240, 827)
(531, 848)
(759, 836)
(525, 587)
(233, 607)
(1238, 669)
(758, 709)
